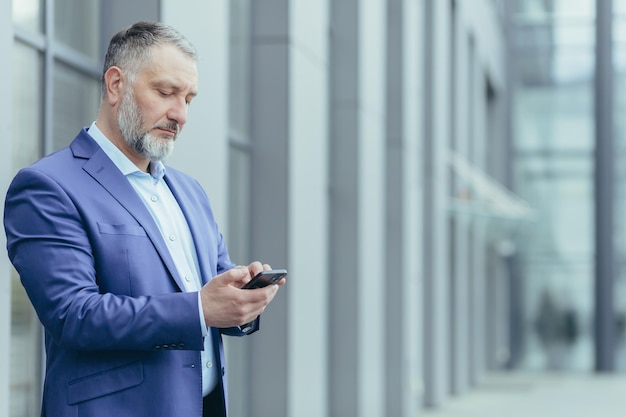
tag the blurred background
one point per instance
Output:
(443, 179)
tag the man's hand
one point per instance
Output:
(225, 304)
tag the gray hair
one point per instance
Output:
(131, 48)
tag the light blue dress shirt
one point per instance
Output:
(168, 216)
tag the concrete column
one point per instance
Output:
(436, 231)
(358, 268)
(604, 182)
(403, 192)
(308, 204)
(289, 125)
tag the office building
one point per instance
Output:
(423, 168)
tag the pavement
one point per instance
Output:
(513, 394)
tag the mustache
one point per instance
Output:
(173, 126)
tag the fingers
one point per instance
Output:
(255, 267)
(232, 276)
(225, 306)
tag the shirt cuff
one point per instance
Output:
(205, 330)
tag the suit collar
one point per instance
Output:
(83, 146)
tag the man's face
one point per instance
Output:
(153, 110)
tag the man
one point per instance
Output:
(122, 259)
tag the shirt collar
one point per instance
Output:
(121, 161)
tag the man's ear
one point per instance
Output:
(114, 82)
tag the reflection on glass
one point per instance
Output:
(77, 25)
(76, 101)
(28, 14)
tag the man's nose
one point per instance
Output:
(178, 112)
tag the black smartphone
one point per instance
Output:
(265, 278)
(260, 280)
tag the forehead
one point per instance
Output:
(169, 65)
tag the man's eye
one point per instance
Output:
(164, 93)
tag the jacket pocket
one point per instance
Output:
(121, 229)
(104, 383)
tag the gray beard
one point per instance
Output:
(131, 126)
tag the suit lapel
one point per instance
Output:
(100, 167)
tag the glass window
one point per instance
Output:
(554, 119)
(76, 100)
(41, 124)
(554, 144)
(28, 14)
(77, 25)
(25, 368)
(27, 105)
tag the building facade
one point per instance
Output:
(364, 145)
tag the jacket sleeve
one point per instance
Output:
(49, 243)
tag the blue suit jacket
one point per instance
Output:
(122, 338)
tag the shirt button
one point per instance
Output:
(172, 237)
(154, 198)
(209, 364)
(187, 278)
